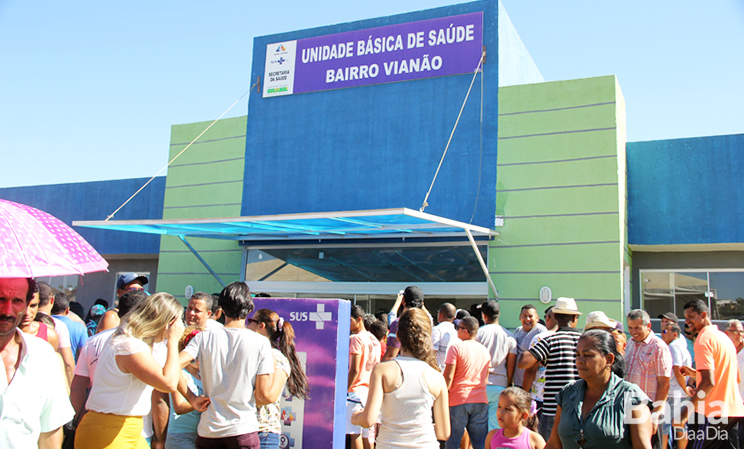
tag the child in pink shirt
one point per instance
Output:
(517, 419)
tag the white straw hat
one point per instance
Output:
(566, 306)
(599, 319)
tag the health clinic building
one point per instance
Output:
(317, 192)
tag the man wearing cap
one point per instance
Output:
(130, 281)
(558, 353)
(411, 298)
(648, 365)
(126, 282)
(499, 342)
(33, 399)
(465, 373)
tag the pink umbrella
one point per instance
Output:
(34, 243)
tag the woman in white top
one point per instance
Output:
(404, 390)
(127, 372)
(288, 370)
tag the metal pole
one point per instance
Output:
(204, 262)
(482, 263)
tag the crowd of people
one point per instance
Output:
(469, 382)
(150, 373)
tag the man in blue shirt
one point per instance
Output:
(78, 331)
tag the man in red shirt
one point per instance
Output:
(465, 373)
(364, 354)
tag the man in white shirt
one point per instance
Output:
(33, 400)
(523, 335)
(735, 331)
(677, 383)
(444, 334)
(499, 343)
(230, 418)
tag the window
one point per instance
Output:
(668, 291)
(441, 263)
(65, 284)
(370, 274)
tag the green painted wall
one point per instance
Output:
(561, 189)
(205, 181)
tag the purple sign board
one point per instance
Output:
(406, 51)
(321, 329)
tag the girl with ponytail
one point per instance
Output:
(288, 370)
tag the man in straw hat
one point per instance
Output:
(558, 353)
(599, 320)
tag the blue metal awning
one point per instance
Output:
(365, 224)
(349, 225)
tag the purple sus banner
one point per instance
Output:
(322, 340)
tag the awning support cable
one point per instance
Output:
(475, 74)
(176, 156)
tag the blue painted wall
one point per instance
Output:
(95, 201)
(516, 65)
(686, 191)
(376, 146)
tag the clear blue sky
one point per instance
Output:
(89, 89)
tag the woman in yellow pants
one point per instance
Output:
(127, 372)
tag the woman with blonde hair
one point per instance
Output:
(127, 372)
(288, 370)
(405, 389)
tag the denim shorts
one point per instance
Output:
(269, 440)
